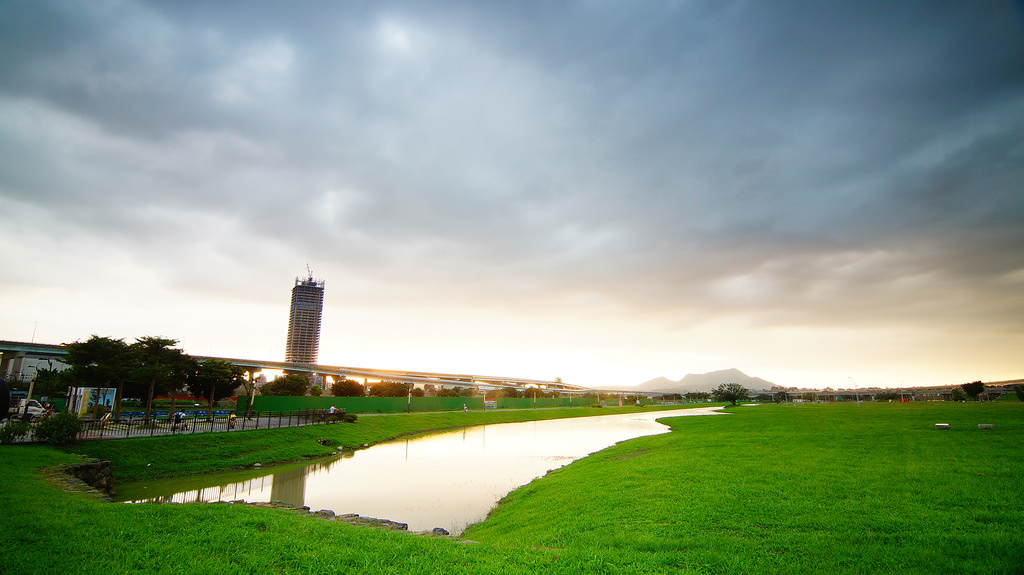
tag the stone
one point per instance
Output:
(941, 426)
(96, 474)
(986, 426)
(257, 465)
(439, 531)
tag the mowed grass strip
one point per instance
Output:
(788, 489)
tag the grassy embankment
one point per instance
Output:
(790, 489)
(769, 489)
(193, 454)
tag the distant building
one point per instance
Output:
(304, 321)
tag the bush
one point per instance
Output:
(347, 388)
(292, 385)
(15, 430)
(349, 418)
(59, 429)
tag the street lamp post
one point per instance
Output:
(31, 386)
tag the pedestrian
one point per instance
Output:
(231, 420)
(464, 408)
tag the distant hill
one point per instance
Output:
(704, 382)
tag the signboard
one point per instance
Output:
(83, 399)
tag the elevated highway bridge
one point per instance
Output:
(16, 353)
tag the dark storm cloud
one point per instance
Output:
(806, 162)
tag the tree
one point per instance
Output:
(157, 364)
(48, 380)
(345, 387)
(512, 393)
(390, 389)
(1019, 390)
(316, 391)
(291, 384)
(215, 379)
(249, 387)
(180, 375)
(695, 396)
(731, 392)
(958, 394)
(99, 362)
(973, 389)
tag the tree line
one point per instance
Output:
(148, 367)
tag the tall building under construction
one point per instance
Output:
(304, 321)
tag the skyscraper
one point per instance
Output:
(304, 321)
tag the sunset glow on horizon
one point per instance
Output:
(819, 196)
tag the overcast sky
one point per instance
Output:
(816, 193)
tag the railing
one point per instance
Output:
(201, 422)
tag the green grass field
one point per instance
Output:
(768, 489)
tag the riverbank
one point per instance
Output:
(771, 489)
(138, 459)
(789, 489)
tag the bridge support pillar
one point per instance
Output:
(11, 365)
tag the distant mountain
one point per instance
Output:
(704, 382)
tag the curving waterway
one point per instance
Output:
(449, 480)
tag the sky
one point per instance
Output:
(818, 194)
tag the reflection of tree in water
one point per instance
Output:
(290, 486)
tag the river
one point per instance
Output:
(449, 480)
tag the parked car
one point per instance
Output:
(35, 410)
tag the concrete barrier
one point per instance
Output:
(941, 426)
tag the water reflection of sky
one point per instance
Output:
(449, 480)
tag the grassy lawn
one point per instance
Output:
(768, 489)
(789, 489)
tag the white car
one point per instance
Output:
(35, 410)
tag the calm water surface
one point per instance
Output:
(449, 480)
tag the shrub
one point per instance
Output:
(349, 418)
(15, 430)
(292, 384)
(347, 388)
(59, 429)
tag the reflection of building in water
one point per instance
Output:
(289, 487)
(285, 486)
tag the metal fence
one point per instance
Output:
(201, 422)
(193, 422)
